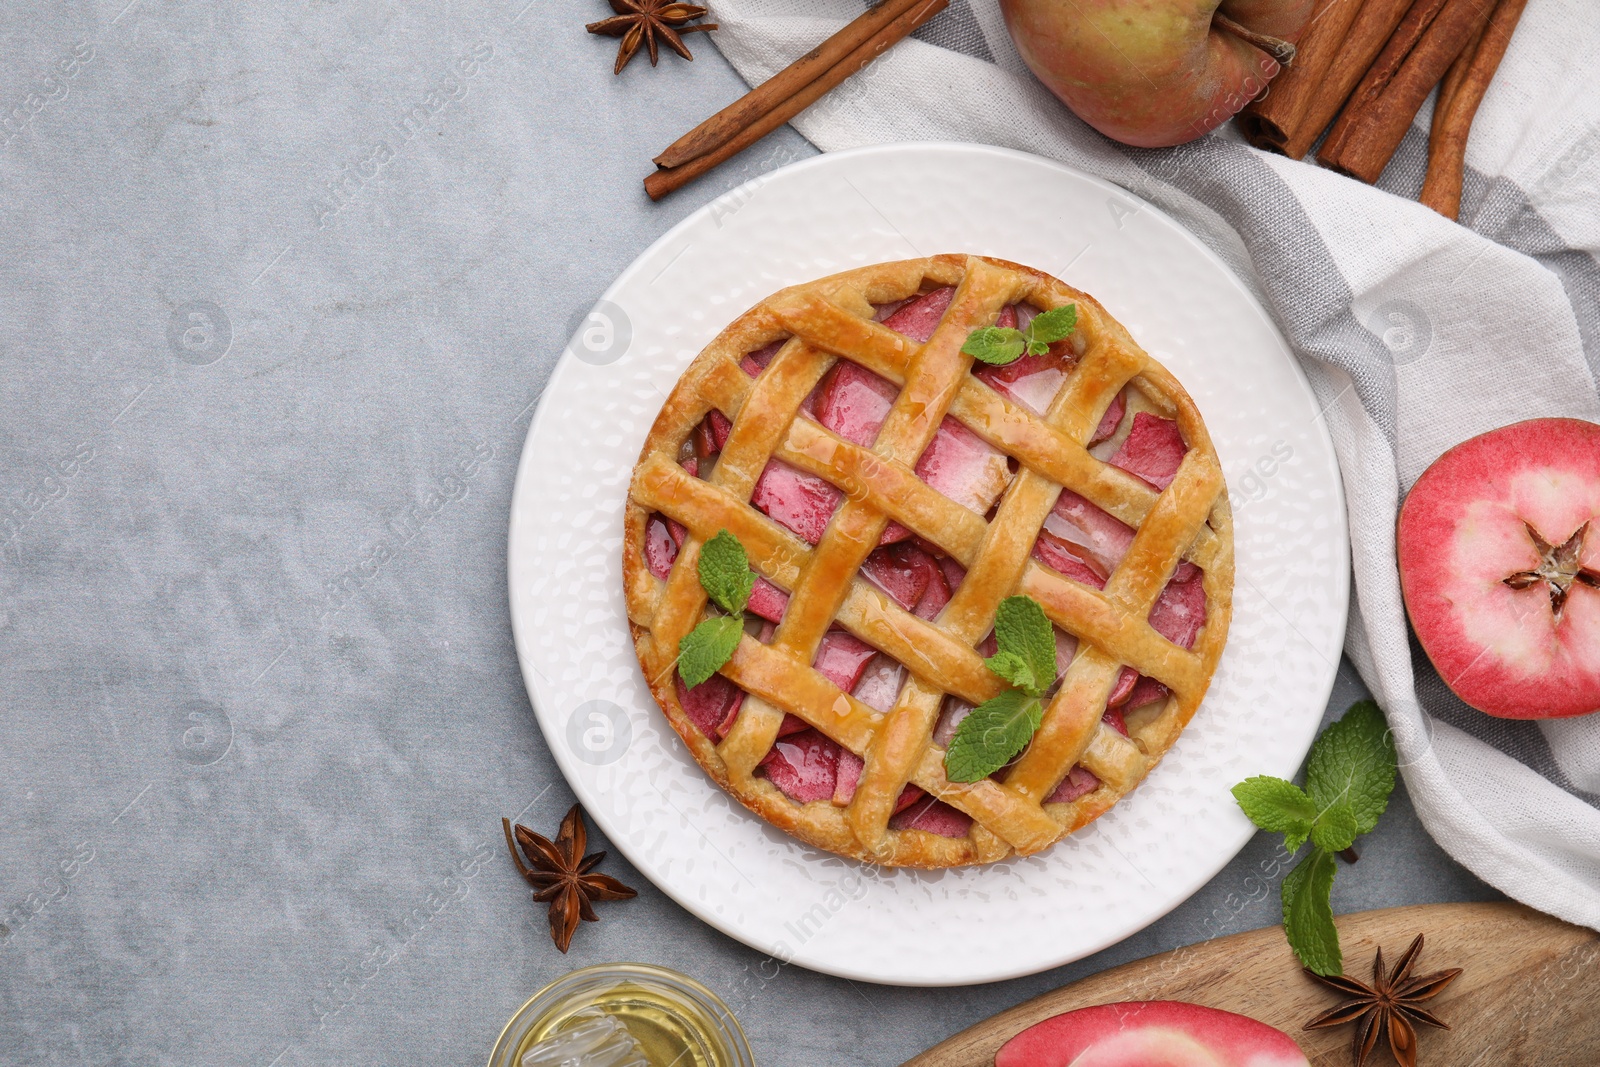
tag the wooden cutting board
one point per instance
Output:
(1529, 992)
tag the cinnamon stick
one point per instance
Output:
(1419, 15)
(1380, 111)
(666, 181)
(1459, 96)
(1278, 121)
(725, 124)
(1369, 31)
(1458, 70)
(1448, 203)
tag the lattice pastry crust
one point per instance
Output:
(762, 393)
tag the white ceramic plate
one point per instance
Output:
(631, 771)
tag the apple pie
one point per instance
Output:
(889, 492)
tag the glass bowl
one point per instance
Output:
(678, 1021)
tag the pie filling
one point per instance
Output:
(1079, 540)
(1080, 781)
(712, 706)
(756, 362)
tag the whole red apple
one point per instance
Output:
(1499, 551)
(1154, 73)
(1151, 1033)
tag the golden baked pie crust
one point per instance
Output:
(831, 318)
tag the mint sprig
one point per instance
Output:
(999, 728)
(999, 345)
(726, 577)
(1349, 776)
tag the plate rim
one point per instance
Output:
(567, 762)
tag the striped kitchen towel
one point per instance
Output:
(1416, 332)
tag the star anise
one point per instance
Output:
(563, 876)
(643, 21)
(1389, 1005)
(1559, 567)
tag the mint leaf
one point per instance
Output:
(1022, 630)
(997, 345)
(1308, 914)
(1349, 776)
(1354, 762)
(1335, 828)
(1277, 806)
(725, 572)
(998, 729)
(1013, 668)
(707, 647)
(1000, 345)
(995, 731)
(1054, 325)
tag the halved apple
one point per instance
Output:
(1499, 553)
(1150, 1033)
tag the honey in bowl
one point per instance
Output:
(676, 1021)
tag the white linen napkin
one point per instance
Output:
(1416, 332)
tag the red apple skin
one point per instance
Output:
(1150, 73)
(1152, 1033)
(1461, 533)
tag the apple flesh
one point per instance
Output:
(1154, 73)
(1153, 1033)
(1499, 552)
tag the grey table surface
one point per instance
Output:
(279, 283)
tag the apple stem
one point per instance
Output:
(1276, 47)
(1350, 855)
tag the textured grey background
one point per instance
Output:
(270, 338)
